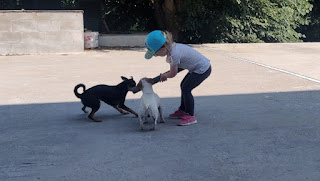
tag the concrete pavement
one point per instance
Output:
(254, 123)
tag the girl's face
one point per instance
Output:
(162, 52)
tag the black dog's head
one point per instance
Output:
(130, 82)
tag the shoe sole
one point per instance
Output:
(187, 124)
(175, 117)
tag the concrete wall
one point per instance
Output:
(39, 32)
(122, 40)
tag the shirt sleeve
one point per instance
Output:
(176, 59)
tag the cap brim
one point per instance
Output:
(148, 54)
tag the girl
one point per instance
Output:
(180, 56)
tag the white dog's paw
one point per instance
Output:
(141, 127)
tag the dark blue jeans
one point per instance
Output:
(191, 81)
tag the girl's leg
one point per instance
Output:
(182, 107)
(190, 82)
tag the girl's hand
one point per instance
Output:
(163, 77)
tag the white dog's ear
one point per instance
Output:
(123, 78)
(149, 80)
(139, 85)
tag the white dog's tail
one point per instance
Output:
(152, 112)
(149, 111)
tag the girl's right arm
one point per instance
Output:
(169, 74)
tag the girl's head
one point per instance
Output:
(158, 43)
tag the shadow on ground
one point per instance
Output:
(270, 136)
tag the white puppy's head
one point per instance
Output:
(145, 83)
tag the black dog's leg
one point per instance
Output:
(84, 109)
(94, 103)
(122, 106)
(91, 115)
(120, 110)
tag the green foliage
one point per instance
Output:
(123, 15)
(312, 31)
(129, 15)
(10, 4)
(69, 4)
(243, 20)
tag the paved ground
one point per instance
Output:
(254, 121)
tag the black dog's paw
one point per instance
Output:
(84, 110)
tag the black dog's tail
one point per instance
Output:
(76, 90)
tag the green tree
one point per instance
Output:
(243, 20)
(312, 31)
(167, 14)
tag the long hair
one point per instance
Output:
(169, 40)
(168, 44)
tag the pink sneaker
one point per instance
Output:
(187, 120)
(177, 115)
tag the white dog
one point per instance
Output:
(150, 103)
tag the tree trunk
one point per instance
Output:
(167, 15)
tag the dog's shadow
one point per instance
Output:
(148, 126)
(105, 117)
(123, 122)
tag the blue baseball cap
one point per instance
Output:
(154, 41)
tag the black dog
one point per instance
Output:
(112, 95)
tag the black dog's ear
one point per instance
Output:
(123, 78)
(131, 77)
